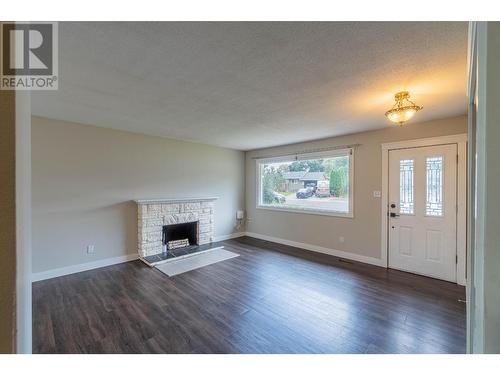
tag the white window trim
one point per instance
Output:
(308, 156)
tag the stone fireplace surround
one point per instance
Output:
(153, 214)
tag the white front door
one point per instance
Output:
(423, 210)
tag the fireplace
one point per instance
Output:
(155, 214)
(180, 235)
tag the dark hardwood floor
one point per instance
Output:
(271, 299)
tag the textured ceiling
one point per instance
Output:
(253, 85)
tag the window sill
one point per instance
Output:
(347, 215)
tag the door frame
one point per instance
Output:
(461, 141)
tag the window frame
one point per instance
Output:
(307, 156)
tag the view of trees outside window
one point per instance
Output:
(317, 184)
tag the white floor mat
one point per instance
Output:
(178, 266)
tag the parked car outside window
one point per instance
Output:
(304, 193)
(323, 189)
(279, 198)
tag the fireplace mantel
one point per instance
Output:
(174, 200)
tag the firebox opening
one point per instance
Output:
(180, 235)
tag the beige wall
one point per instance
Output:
(7, 222)
(362, 233)
(85, 178)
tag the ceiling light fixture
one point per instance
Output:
(404, 109)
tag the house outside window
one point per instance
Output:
(317, 183)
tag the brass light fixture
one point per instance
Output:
(404, 109)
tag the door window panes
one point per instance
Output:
(406, 204)
(434, 183)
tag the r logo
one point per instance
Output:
(27, 49)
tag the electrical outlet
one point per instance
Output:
(90, 249)
(341, 239)
(377, 194)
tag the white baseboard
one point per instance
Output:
(56, 272)
(320, 249)
(229, 236)
(127, 258)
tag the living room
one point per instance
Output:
(252, 188)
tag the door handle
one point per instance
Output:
(393, 214)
